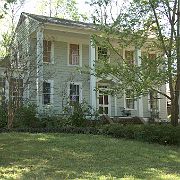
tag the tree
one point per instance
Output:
(152, 24)
(62, 9)
(11, 57)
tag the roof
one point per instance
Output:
(59, 21)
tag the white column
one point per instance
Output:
(92, 58)
(138, 61)
(115, 104)
(39, 72)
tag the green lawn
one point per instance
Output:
(67, 156)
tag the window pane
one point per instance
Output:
(46, 87)
(46, 98)
(152, 56)
(46, 51)
(105, 99)
(100, 99)
(106, 110)
(130, 103)
(74, 54)
(102, 53)
(129, 56)
(100, 110)
(74, 92)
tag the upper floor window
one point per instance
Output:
(130, 101)
(129, 57)
(74, 54)
(47, 51)
(152, 56)
(102, 53)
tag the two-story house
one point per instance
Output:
(59, 50)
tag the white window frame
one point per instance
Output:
(109, 98)
(158, 102)
(80, 54)
(51, 53)
(134, 55)
(80, 90)
(125, 105)
(108, 53)
(51, 93)
(12, 96)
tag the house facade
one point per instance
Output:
(60, 51)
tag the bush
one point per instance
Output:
(162, 134)
(80, 113)
(54, 122)
(26, 117)
(3, 117)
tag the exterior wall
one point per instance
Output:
(62, 73)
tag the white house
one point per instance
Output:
(60, 49)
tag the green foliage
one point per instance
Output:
(54, 122)
(61, 9)
(162, 134)
(3, 117)
(26, 117)
(80, 112)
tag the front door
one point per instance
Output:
(103, 101)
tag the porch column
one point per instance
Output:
(92, 58)
(115, 105)
(138, 61)
(39, 72)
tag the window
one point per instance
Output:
(152, 56)
(102, 53)
(154, 103)
(104, 106)
(129, 57)
(47, 51)
(130, 102)
(74, 93)
(2, 91)
(47, 92)
(16, 91)
(74, 54)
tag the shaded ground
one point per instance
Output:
(66, 156)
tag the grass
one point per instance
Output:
(68, 156)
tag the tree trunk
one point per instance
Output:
(10, 116)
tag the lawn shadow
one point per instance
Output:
(68, 156)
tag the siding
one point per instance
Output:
(62, 73)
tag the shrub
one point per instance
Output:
(25, 117)
(3, 117)
(162, 134)
(80, 113)
(54, 122)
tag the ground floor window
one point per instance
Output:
(2, 91)
(16, 91)
(47, 92)
(129, 99)
(103, 100)
(154, 103)
(74, 93)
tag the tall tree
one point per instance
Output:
(9, 52)
(61, 8)
(152, 24)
